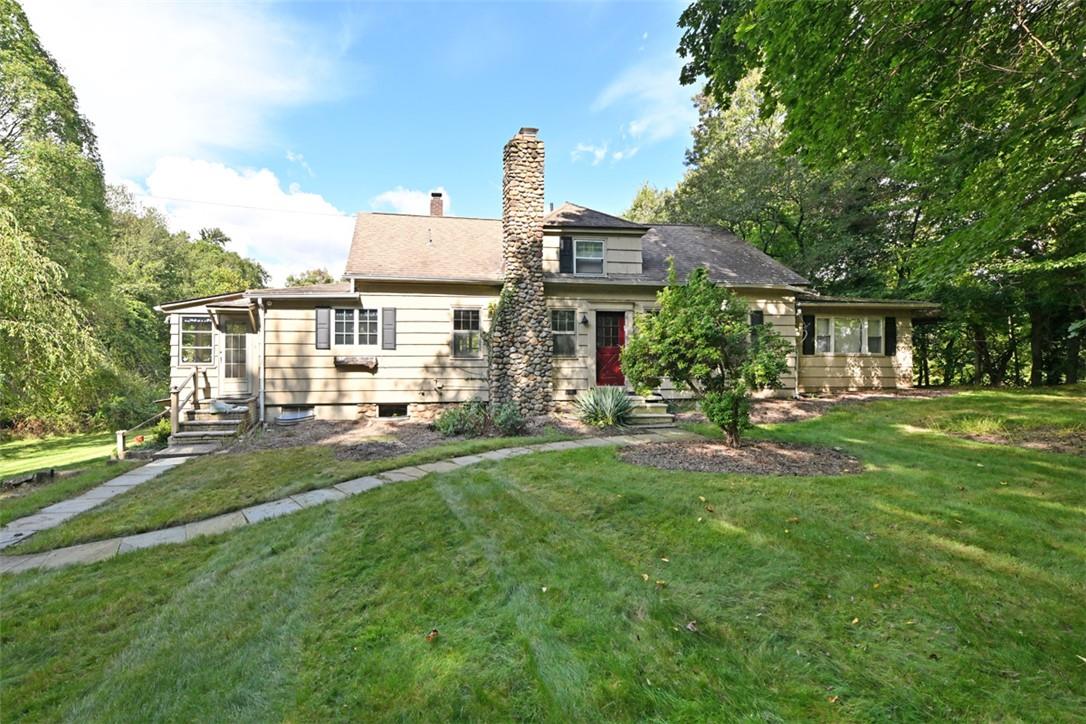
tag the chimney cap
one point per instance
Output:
(435, 194)
(527, 131)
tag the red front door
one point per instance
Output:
(610, 336)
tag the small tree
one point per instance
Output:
(702, 340)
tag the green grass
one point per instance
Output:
(24, 455)
(20, 502)
(216, 484)
(944, 583)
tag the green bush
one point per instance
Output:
(468, 419)
(475, 419)
(604, 406)
(507, 420)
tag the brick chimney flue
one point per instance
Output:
(520, 333)
(437, 204)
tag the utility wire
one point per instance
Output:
(243, 206)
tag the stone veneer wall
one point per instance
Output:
(520, 332)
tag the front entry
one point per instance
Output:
(610, 336)
(233, 368)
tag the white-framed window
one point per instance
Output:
(196, 340)
(848, 335)
(466, 339)
(355, 326)
(588, 257)
(564, 332)
(367, 326)
(344, 326)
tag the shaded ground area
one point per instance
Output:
(756, 457)
(1047, 439)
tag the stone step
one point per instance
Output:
(658, 408)
(208, 414)
(651, 419)
(656, 426)
(187, 450)
(227, 425)
(204, 437)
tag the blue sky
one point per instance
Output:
(278, 120)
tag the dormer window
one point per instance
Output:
(588, 257)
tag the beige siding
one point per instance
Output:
(826, 373)
(420, 370)
(621, 254)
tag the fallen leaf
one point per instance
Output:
(710, 508)
(1081, 658)
(832, 699)
(794, 519)
(701, 498)
(876, 585)
(432, 636)
(666, 560)
(661, 584)
(692, 626)
(644, 576)
(855, 621)
(700, 519)
(544, 589)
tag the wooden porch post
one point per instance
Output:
(196, 388)
(175, 412)
(120, 444)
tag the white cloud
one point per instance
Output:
(596, 153)
(300, 160)
(625, 153)
(160, 79)
(286, 230)
(651, 93)
(408, 201)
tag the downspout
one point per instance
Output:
(263, 357)
(799, 349)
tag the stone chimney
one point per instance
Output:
(437, 204)
(520, 332)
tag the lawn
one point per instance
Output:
(25, 500)
(217, 484)
(945, 582)
(25, 455)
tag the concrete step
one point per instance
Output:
(651, 419)
(207, 414)
(213, 437)
(210, 425)
(656, 426)
(187, 449)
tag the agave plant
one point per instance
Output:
(604, 406)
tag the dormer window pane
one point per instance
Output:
(588, 257)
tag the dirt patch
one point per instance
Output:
(756, 457)
(364, 439)
(1066, 442)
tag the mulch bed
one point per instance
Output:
(755, 457)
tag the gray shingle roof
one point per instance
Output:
(426, 247)
(304, 290)
(730, 259)
(402, 246)
(580, 217)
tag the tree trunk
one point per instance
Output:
(1074, 351)
(1036, 347)
(981, 360)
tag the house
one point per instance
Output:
(404, 332)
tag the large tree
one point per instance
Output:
(977, 107)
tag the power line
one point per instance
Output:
(243, 206)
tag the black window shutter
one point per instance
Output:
(388, 328)
(808, 334)
(324, 328)
(757, 319)
(565, 255)
(891, 336)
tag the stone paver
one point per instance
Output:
(84, 553)
(153, 538)
(359, 485)
(441, 466)
(55, 514)
(400, 475)
(274, 509)
(216, 525)
(100, 550)
(317, 497)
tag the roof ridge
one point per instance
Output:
(425, 216)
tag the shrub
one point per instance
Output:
(468, 419)
(604, 406)
(507, 419)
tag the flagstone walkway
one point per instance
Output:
(53, 515)
(101, 550)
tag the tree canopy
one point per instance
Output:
(309, 277)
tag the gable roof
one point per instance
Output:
(404, 246)
(453, 248)
(581, 217)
